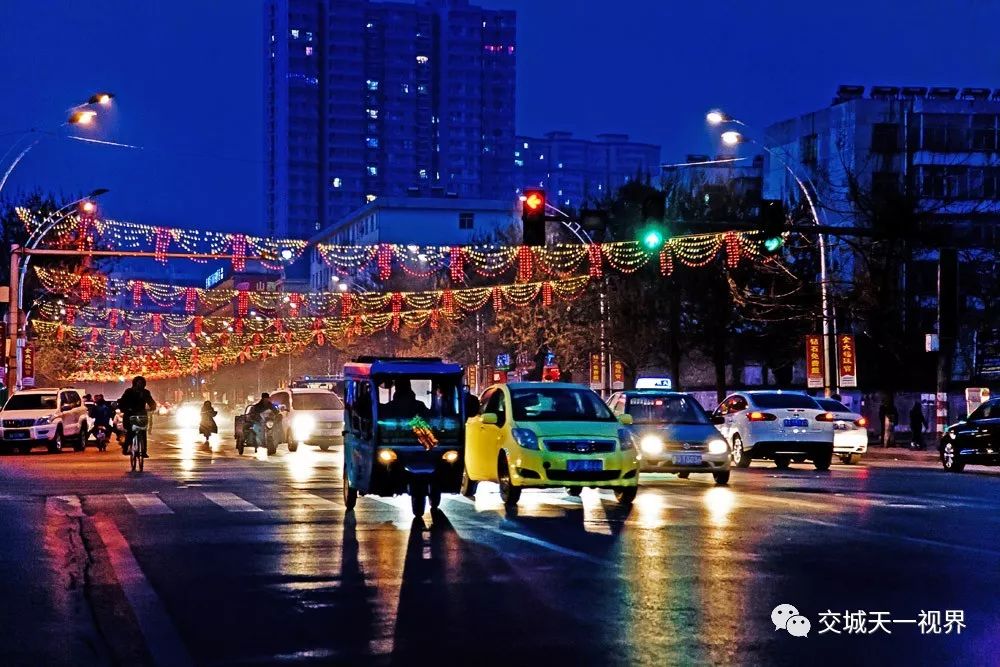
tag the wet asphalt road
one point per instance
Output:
(213, 559)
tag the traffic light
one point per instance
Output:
(653, 234)
(772, 226)
(533, 216)
(651, 238)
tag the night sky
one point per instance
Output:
(188, 74)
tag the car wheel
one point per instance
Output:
(469, 486)
(509, 493)
(721, 478)
(80, 441)
(323, 448)
(823, 461)
(574, 491)
(782, 462)
(950, 460)
(418, 499)
(683, 475)
(56, 444)
(350, 495)
(850, 459)
(626, 495)
(740, 458)
(293, 446)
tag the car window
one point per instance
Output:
(318, 401)
(545, 403)
(31, 402)
(497, 406)
(280, 399)
(733, 404)
(988, 410)
(775, 400)
(666, 409)
(832, 405)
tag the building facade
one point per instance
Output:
(384, 99)
(937, 147)
(440, 221)
(577, 171)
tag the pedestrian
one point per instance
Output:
(207, 426)
(888, 417)
(917, 425)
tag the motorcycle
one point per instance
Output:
(268, 427)
(101, 436)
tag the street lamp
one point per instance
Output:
(81, 117)
(734, 138)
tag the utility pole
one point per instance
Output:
(947, 329)
(13, 320)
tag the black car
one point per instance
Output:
(975, 439)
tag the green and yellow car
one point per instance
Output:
(547, 434)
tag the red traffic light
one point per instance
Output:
(534, 201)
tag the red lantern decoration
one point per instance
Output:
(242, 302)
(320, 339)
(457, 264)
(596, 260)
(547, 294)
(190, 300)
(346, 304)
(157, 322)
(666, 262)
(113, 318)
(86, 285)
(196, 324)
(136, 293)
(239, 248)
(127, 337)
(732, 250)
(70, 314)
(279, 324)
(93, 335)
(238, 326)
(162, 243)
(524, 264)
(497, 299)
(435, 319)
(448, 302)
(384, 261)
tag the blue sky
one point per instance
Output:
(188, 74)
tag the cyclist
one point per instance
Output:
(134, 403)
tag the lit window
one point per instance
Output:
(422, 89)
(372, 170)
(560, 193)
(518, 163)
(422, 173)
(484, 24)
(372, 85)
(337, 182)
(422, 60)
(560, 165)
(370, 198)
(541, 156)
(372, 113)
(295, 34)
(600, 187)
(405, 87)
(369, 25)
(517, 153)
(309, 37)
(371, 142)
(309, 50)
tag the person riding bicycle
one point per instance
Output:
(133, 403)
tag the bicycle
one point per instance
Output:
(139, 424)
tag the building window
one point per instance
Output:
(309, 50)
(295, 34)
(525, 144)
(309, 36)
(422, 89)
(371, 142)
(337, 182)
(372, 84)
(370, 198)
(422, 60)
(807, 149)
(404, 88)
(372, 113)
(422, 173)
(372, 170)
(466, 220)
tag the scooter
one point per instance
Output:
(270, 425)
(101, 437)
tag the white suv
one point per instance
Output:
(779, 425)
(310, 416)
(47, 417)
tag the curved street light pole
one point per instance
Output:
(826, 304)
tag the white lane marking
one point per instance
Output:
(310, 501)
(162, 640)
(67, 505)
(230, 501)
(904, 538)
(549, 545)
(147, 503)
(595, 519)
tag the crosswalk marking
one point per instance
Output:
(231, 502)
(147, 503)
(311, 500)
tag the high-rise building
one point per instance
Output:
(372, 99)
(576, 171)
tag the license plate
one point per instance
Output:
(585, 465)
(801, 423)
(17, 435)
(687, 459)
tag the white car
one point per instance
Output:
(850, 431)
(310, 416)
(49, 417)
(778, 425)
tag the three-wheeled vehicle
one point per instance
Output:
(404, 429)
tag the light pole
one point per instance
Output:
(733, 138)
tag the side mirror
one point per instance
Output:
(625, 420)
(490, 418)
(718, 419)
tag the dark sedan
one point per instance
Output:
(975, 439)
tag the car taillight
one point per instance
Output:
(761, 417)
(826, 417)
(861, 422)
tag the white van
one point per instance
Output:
(311, 416)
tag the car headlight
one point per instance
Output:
(188, 417)
(526, 438)
(43, 420)
(717, 446)
(651, 444)
(303, 426)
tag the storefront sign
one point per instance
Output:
(847, 360)
(814, 361)
(28, 366)
(617, 376)
(595, 371)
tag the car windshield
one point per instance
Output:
(31, 402)
(784, 401)
(317, 401)
(832, 405)
(558, 404)
(666, 409)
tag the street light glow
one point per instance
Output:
(731, 138)
(286, 254)
(715, 117)
(88, 207)
(342, 287)
(82, 117)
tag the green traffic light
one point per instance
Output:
(773, 243)
(652, 239)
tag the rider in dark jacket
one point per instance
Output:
(133, 403)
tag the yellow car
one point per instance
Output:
(546, 434)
